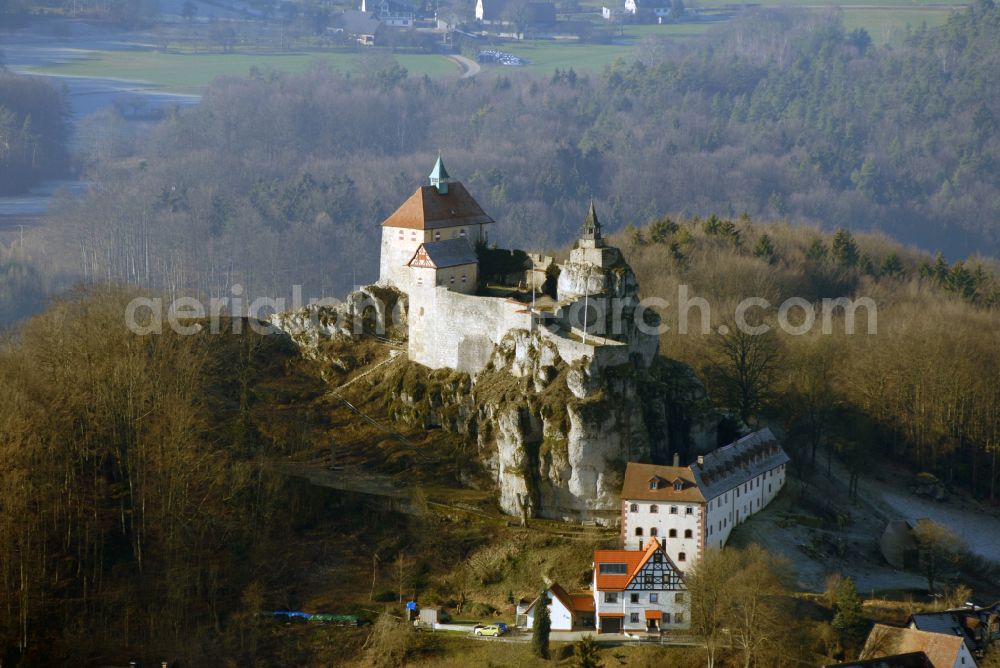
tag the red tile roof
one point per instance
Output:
(634, 560)
(427, 209)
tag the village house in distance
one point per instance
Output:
(690, 508)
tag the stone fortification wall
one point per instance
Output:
(457, 331)
(600, 353)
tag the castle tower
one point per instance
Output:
(590, 248)
(442, 211)
(590, 233)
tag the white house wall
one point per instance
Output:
(400, 243)
(687, 518)
(560, 617)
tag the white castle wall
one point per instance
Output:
(458, 331)
(400, 243)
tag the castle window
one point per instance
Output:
(689, 510)
(452, 281)
(437, 236)
(461, 233)
(420, 280)
(673, 510)
(634, 508)
(673, 533)
(633, 598)
(654, 508)
(681, 556)
(678, 486)
(653, 531)
(638, 531)
(688, 533)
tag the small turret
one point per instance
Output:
(590, 233)
(439, 177)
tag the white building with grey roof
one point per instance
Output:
(689, 508)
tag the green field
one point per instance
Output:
(191, 73)
(885, 24)
(547, 55)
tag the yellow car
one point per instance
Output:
(491, 630)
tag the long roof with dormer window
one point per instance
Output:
(721, 470)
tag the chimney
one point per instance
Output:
(701, 460)
(677, 459)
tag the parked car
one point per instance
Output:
(493, 630)
(503, 628)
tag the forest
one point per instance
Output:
(276, 179)
(922, 390)
(33, 132)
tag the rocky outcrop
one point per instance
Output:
(370, 310)
(551, 434)
(556, 436)
(609, 300)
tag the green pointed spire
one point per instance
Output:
(439, 176)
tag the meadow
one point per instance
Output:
(193, 72)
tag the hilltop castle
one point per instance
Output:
(434, 248)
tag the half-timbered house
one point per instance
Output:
(638, 590)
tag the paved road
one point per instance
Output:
(470, 68)
(574, 636)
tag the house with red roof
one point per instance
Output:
(638, 590)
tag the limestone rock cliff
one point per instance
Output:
(555, 435)
(551, 434)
